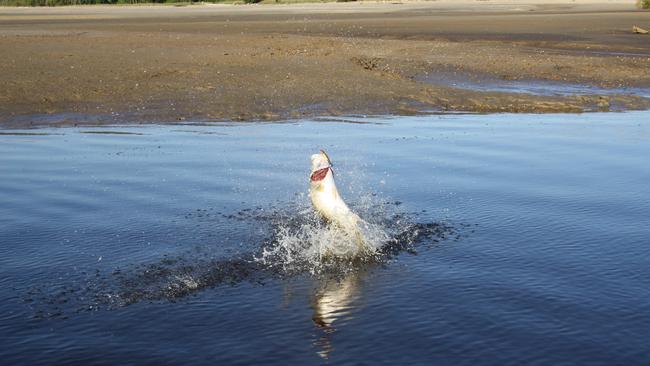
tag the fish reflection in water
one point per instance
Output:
(333, 301)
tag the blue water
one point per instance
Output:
(544, 255)
(489, 83)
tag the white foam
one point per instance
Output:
(306, 242)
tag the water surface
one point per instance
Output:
(538, 248)
(489, 83)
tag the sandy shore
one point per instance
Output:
(101, 64)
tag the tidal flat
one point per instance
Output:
(160, 64)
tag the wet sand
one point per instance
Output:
(157, 64)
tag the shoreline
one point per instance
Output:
(287, 61)
(118, 128)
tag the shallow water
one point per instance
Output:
(143, 244)
(488, 83)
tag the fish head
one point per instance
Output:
(320, 166)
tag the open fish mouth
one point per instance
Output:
(319, 175)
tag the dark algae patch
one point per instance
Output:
(174, 278)
(111, 133)
(4, 133)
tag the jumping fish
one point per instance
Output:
(330, 206)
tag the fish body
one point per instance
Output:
(328, 203)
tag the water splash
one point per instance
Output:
(307, 244)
